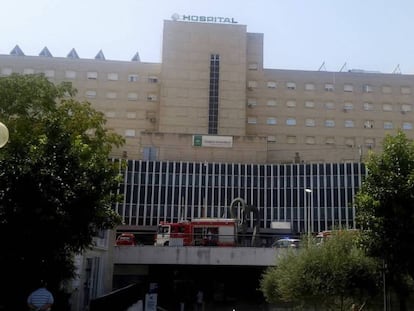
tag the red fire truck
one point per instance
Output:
(198, 232)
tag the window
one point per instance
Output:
(309, 87)
(252, 84)
(132, 96)
(152, 97)
(112, 76)
(49, 73)
(251, 102)
(129, 133)
(387, 107)
(131, 115)
(310, 140)
(329, 87)
(90, 94)
(271, 139)
(407, 126)
(369, 143)
(291, 85)
(368, 124)
(92, 75)
(253, 66)
(367, 88)
(110, 114)
(271, 84)
(291, 139)
(291, 103)
(271, 121)
(388, 125)
(68, 85)
(213, 94)
(348, 106)
(310, 122)
(348, 88)
(329, 123)
(330, 105)
(386, 89)
(272, 102)
(406, 108)
(28, 71)
(251, 120)
(405, 90)
(290, 121)
(350, 142)
(133, 78)
(150, 153)
(349, 123)
(111, 95)
(368, 106)
(70, 74)
(309, 104)
(153, 79)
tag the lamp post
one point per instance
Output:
(308, 211)
(4, 135)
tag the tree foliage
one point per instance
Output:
(57, 183)
(385, 208)
(329, 276)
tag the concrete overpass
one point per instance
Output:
(194, 255)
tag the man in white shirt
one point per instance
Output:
(40, 299)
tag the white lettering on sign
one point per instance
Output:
(212, 141)
(204, 19)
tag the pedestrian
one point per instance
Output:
(41, 299)
(200, 300)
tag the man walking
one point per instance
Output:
(40, 299)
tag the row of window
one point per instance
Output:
(150, 115)
(239, 169)
(347, 106)
(132, 96)
(90, 75)
(292, 139)
(331, 123)
(312, 140)
(330, 87)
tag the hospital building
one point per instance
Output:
(210, 123)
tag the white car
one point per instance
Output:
(286, 243)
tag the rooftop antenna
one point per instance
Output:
(322, 67)
(343, 67)
(397, 70)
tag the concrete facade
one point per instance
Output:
(267, 115)
(215, 256)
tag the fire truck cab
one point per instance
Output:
(198, 232)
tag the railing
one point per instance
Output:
(243, 240)
(118, 300)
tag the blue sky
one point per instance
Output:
(298, 34)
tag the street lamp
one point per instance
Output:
(308, 211)
(4, 135)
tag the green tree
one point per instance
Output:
(385, 208)
(330, 276)
(57, 183)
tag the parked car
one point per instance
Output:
(126, 239)
(286, 243)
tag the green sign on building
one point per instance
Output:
(197, 140)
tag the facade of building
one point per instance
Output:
(312, 197)
(210, 124)
(211, 100)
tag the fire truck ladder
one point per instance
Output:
(246, 211)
